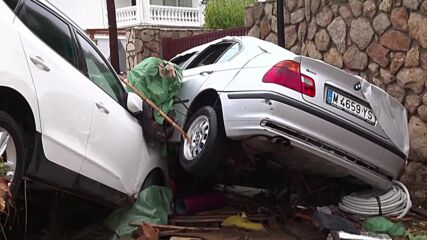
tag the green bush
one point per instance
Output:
(223, 14)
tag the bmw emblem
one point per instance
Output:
(357, 86)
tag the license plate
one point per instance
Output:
(350, 106)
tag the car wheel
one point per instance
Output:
(12, 151)
(202, 154)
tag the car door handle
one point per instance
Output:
(206, 73)
(102, 108)
(38, 61)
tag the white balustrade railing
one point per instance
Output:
(127, 16)
(175, 16)
(158, 16)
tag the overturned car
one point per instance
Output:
(306, 114)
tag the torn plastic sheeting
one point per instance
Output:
(391, 115)
(159, 81)
(153, 205)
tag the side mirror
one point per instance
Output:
(134, 103)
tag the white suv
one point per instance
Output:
(65, 118)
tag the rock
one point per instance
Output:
(333, 57)
(307, 10)
(258, 11)
(397, 3)
(414, 178)
(355, 59)
(337, 30)
(425, 98)
(369, 8)
(378, 82)
(346, 14)
(412, 57)
(334, 9)
(274, 24)
(268, 10)
(312, 51)
(423, 60)
(418, 28)
(301, 3)
(314, 6)
(287, 16)
(302, 31)
(412, 102)
(412, 78)
(359, 26)
(312, 28)
(386, 76)
(411, 4)
(396, 91)
(321, 40)
(296, 49)
(399, 18)
(139, 45)
(397, 62)
(297, 16)
(304, 49)
(378, 53)
(249, 17)
(417, 139)
(422, 111)
(290, 36)
(386, 5)
(324, 17)
(395, 40)
(381, 23)
(414, 22)
(272, 37)
(291, 4)
(265, 27)
(356, 7)
(424, 7)
(147, 35)
(254, 31)
(373, 69)
(153, 46)
(130, 47)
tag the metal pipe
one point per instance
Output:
(280, 24)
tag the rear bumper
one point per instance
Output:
(360, 153)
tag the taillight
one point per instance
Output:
(287, 73)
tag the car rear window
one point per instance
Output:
(11, 3)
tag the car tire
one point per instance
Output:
(206, 161)
(14, 147)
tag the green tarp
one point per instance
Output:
(153, 205)
(160, 85)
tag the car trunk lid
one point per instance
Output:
(340, 93)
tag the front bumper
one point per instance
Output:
(358, 152)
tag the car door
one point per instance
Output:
(64, 99)
(116, 150)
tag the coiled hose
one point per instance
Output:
(395, 202)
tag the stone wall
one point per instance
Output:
(144, 42)
(384, 41)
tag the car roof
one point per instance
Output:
(247, 41)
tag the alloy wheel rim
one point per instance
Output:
(8, 154)
(198, 132)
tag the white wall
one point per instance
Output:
(86, 13)
(122, 3)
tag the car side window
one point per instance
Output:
(12, 4)
(210, 55)
(181, 60)
(230, 53)
(98, 72)
(50, 29)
